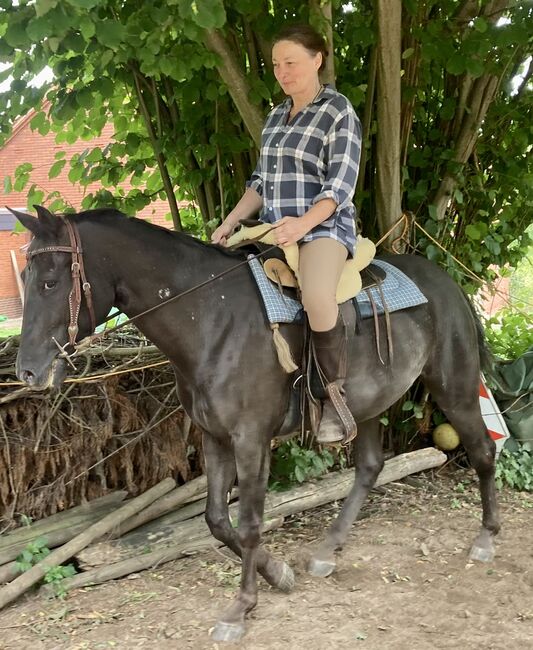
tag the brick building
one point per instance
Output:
(25, 145)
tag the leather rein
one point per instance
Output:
(79, 279)
(80, 283)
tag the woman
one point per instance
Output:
(303, 185)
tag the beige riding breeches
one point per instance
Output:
(321, 264)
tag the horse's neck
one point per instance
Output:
(148, 267)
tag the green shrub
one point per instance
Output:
(515, 469)
(509, 333)
(292, 464)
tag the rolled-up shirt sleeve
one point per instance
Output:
(342, 151)
(256, 179)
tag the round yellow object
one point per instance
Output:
(445, 437)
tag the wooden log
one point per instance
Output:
(14, 589)
(8, 572)
(337, 485)
(148, 560)
(167, 503)
(59, 528)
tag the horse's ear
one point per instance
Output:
(50, 222)
(29, 222)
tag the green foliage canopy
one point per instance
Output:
(150, 69)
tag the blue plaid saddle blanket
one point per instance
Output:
(399, 292)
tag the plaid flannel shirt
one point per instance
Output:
(315, 156)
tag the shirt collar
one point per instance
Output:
(326, 92)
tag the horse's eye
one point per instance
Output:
(50, 284)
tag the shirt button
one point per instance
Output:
(274, 166)
(270, 209)
(271, 187)
(277, 144)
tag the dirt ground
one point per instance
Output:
(403, 583)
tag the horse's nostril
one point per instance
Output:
(28, 377)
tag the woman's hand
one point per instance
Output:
(222, 233)
(289, 230)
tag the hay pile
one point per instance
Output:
(115, 424)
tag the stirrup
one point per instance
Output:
(343, 412)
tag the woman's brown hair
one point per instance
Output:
(306, 36)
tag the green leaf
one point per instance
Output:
(38, 28)
(448, 108)
(42, 7)
(56, 168)
(110, 33)
(16, 35)
(432, 209)
(456, 64)
(87, 28)
(407, 405)
(472, 232)
(408, 52)
(475, 67)
(480, 24)
(8, 187)
(84, 4)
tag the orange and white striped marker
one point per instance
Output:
(492, 417)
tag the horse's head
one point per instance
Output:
(53, 314)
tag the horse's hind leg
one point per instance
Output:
(368, 450)
(460, 404)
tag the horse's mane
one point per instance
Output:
(144, 227)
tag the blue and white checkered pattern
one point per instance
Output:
(279, 308)
(312, 157)
(400, 292)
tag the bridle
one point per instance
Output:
(79, 279)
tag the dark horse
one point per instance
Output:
(228, 376)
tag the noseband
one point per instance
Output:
(79, 279)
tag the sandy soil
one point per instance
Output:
(402, 583)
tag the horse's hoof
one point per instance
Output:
(286, 581)
(321, 568)
(481, 554)
(228, 632)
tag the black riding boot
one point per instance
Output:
(331, 355)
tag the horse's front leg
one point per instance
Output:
(252, 457)
(368, 450)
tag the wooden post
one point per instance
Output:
(20, 285)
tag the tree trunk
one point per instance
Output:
(483, 92)
(388, 195)
(321, 13)
(235, 79)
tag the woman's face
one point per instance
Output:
(296, 68)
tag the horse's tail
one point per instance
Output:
(486, 358)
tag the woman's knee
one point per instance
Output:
(321, 309)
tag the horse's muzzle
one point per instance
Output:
(49, 376)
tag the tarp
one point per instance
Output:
(513, 389)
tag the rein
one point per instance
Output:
(79, 282)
